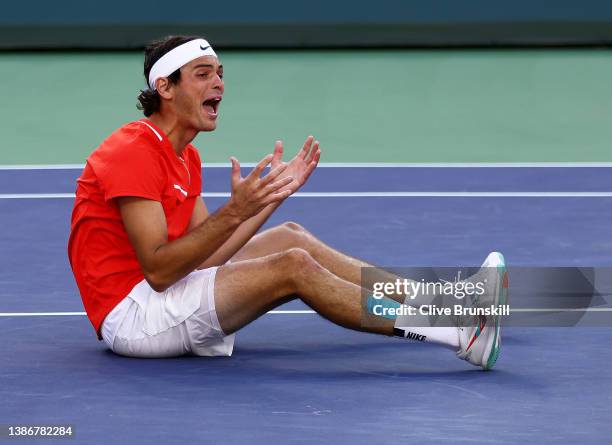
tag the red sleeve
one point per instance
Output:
(129, 169)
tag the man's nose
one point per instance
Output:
(218, 83)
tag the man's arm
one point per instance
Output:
(299, 168)
(164, 263)
(239, 238)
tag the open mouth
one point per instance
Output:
(212, 105)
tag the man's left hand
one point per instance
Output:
(301, 166)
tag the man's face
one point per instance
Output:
(199, 92)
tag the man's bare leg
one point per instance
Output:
(291, 235)
(247, 289)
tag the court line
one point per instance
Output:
(452, 194)
(41, 314)
(300, 311)
(566, 309)
(364, 195)
(359, 164)
(81, 314)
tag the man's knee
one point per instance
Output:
(293, 227)
(298, 235)
(297, 257)
(298, 264)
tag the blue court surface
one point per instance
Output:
(295, 377)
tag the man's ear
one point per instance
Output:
(164, 88)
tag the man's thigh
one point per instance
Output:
(247, 289)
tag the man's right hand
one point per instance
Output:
(252, 194)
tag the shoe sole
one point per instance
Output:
(502, 292)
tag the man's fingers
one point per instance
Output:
(278, 153)
(278, 196)
(274, 174)
(260, 167)
(309, 170)
(313, 150)
(306, 147)
(277, 185)
(312, 165)
(235, 170)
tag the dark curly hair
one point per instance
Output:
(148, 100)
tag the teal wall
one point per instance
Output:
(278, 23)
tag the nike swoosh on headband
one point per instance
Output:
(205, 48)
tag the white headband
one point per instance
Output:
(177, 57)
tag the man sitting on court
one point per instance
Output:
(153, 265)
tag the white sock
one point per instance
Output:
(418, 327)
(442, 335)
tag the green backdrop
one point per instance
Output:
(364, 106)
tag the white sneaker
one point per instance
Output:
(480, 343)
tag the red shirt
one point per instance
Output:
(136, 160)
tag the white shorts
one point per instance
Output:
(178, 321)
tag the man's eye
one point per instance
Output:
(203, 75)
